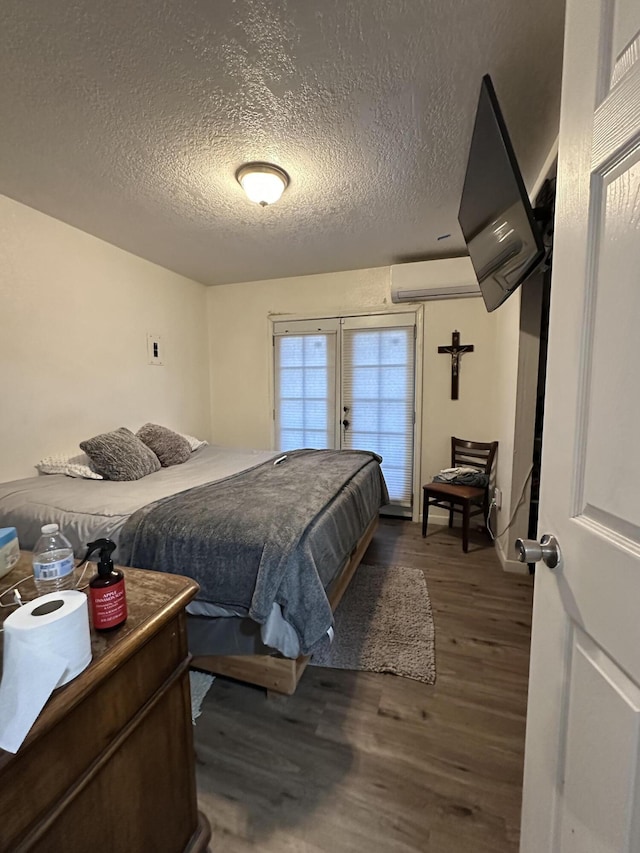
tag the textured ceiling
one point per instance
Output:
(129, 121)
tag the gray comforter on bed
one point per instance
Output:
(246, 539)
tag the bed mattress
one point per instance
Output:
(88, 509)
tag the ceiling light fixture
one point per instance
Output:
(262, 182)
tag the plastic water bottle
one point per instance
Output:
(53, 561)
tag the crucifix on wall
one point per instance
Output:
(455, 351)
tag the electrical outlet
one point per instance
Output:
(497, 498)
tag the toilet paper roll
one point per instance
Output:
(46, 644)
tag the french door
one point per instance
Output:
(349, 382)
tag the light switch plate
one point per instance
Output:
(154, 348)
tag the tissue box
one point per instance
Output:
(9, 549)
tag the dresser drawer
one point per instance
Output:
(145, 774)
(54, 763)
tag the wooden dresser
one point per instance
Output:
(109, 764)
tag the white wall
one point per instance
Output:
(73, 352)
(518, 342)
(519, 412)
(241, 350)
(507, 344)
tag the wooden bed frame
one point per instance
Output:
(277, 673)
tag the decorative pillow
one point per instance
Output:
(194, 443)
(120, 455)
(170, 447)
(73, 465)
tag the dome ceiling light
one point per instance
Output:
(262, 182)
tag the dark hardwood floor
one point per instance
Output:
(369, 762)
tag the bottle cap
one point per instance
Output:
(7, 534)
(49, 528)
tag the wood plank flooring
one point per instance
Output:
(358, 762)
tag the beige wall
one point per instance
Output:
(73, 353)
(240, 352)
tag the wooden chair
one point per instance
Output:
(469, 500)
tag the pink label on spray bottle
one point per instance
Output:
(108, 605)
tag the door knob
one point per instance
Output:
(345, 423)
(547, 550)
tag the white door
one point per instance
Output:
(582, 763)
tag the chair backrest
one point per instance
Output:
(473, 454)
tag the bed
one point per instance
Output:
(272, 539)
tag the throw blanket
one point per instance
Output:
(462, 476)
(245, 539)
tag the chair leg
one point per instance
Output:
(465, 527)
(450, 515)
(425, 515)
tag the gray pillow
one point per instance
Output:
(170, 447)
(120, 455)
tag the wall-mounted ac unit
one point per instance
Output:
(452, 278)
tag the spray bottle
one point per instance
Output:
(106, 589)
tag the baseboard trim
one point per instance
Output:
(441, 519)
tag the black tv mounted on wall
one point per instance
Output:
(498, 224)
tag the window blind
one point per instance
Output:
(305, 390)
(378, 398)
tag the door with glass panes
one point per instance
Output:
(349, 383)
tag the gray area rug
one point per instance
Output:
(384, 623)
(200, 683)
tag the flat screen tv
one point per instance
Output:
(502, 236)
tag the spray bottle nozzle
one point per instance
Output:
(106, 548)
